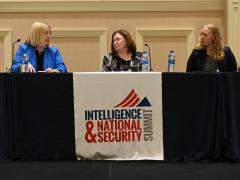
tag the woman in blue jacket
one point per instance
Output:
(42, 57)
(210, 55)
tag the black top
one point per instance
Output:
(211, 65)
(112, 62)
(39, 57)
(123, 65)
(198, 59)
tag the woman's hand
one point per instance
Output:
(50, 70)
(31, 69)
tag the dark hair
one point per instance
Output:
(131, 46)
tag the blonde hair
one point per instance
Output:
(218, 46)
(35, 37)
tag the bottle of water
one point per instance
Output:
(171, 61)
(145, 62)
(25, 61)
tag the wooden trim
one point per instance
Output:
(7, 47)
(189, 33)
(109, 5)
(233, 27)
(100, 33)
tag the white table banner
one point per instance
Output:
(118, 116)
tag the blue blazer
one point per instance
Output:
(198, 58)
(52, 58)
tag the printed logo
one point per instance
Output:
(128, 121)
(132, 99)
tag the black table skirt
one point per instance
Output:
(201, 120)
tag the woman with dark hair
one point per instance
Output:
(210, 55)
(123, 56)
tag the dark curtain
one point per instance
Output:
(43, 116)
(191, 116)
(201, 120)
(231, 88)
(5, 117)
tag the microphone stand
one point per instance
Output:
(13, 44)
(149, 57)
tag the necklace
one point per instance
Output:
(125, 57)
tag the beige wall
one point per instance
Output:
(84, 36)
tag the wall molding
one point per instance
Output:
(189, 33)
(7, 47)
(109, 5)
(233, 26)
(100, 33)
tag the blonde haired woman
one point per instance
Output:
(42, 57)
(210, 55)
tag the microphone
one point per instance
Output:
(150, 59)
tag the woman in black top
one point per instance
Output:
(123, 56)
(210, 55)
